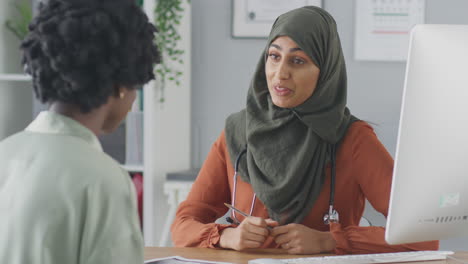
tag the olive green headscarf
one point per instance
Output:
(287, 149)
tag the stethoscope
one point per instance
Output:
(329, 217)
(233, 218)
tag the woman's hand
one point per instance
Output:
(251, 233)
(299, 239)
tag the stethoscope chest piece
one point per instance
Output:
(331, 217)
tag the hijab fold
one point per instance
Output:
(288, 149)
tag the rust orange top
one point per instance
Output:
(363, 171)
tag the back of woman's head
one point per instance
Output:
(79, 51)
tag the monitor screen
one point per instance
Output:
(429, 197)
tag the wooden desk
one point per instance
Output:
(244, 257)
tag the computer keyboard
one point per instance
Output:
(361, 259)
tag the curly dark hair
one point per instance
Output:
(77, 51)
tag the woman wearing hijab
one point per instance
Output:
(294, 134)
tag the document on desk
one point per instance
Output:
(181, 260)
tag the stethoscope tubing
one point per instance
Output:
(234, 189)
(330, 216)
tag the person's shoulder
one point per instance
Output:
(97, 173)
(219, 147)
(12, 139)
(222, 137)
(85, 157)
(101, 177)
(358, 131)
(220, 142)
(79, 162)
(359, 128)
(102, 168)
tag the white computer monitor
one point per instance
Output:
(429, 197)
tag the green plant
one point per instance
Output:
(168, 14)
(19, 25)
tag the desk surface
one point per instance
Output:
(244, 257)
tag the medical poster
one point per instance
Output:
(383, 28)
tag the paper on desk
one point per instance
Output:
(180, 260)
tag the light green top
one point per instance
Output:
(63, 200)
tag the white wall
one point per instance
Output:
(15, 97)
(222, 68)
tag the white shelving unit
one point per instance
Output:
(15, 77)
(166, 134)
(16, 99)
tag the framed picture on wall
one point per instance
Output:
(254, 18)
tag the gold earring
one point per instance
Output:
(122, 95)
